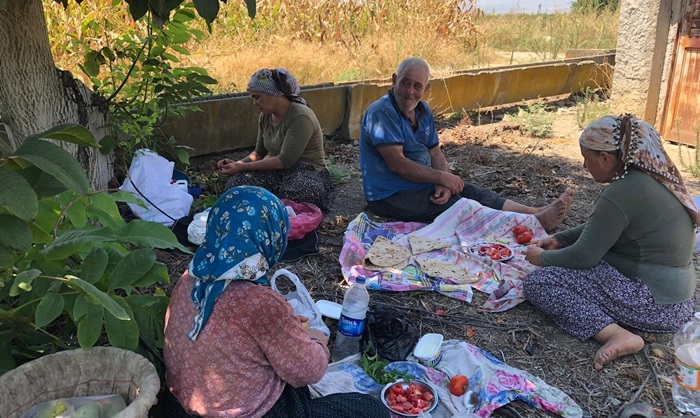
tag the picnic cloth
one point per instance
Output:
(495, 383)
(463, 225)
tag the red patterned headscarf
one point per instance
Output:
(641, 147)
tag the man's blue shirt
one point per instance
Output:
(383, 124)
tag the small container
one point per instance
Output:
(429, 349)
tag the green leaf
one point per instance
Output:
(23, 281)
(56, 161)
(96, 294)
(180, 49)
(7, 362)
(48, 213)
(17, 195)
(94, 265)
(79, 308)
(138, 8)
(68, 132)
(90, 66)
(127, 197)
(39, 236)
(107, 144)
(48, 309)
(149, 234)
(90, 326)
(157, 273)
(182, 155)
(251, 8)
(5, 148)
(207, 9)
(122, 333)
(71, 241)
(44, 184)
(149, 313)
(7, 257)
(15, 233)
(105, 211)
(131, 268)
(76, 212)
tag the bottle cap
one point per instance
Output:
(360, 279)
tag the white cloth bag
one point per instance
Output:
(149, 180)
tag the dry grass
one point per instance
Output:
(330, 41)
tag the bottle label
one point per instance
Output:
(350, 327)
(687, 375)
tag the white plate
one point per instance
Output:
(475, 250)
(329, 309)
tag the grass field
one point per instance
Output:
(330, 41)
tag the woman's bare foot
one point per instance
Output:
(553, 214)
(617, 342)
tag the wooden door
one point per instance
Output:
(681, 121)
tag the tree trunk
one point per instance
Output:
(36, 96)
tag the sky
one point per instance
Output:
(524, 6)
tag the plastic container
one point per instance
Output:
(352, 320)
(686, 385)
(429, 349)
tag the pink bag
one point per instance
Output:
(308, 217)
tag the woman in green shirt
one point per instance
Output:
(289, 158)
(631, 264)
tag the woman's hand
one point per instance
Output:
(304, 321)
(549, 243)
(219, 164)
(232, 168)
(318, 335)
(534, 252)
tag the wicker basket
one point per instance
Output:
(97, 371)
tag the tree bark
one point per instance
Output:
(36, 96)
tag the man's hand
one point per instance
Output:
(441, 196)
(452, 182)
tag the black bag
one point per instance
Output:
(389, 334)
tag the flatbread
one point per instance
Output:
(385, 255)
(423, 245)
(446, 270)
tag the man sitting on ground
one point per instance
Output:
(405, 175)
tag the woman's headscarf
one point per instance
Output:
(641, 147)
(277, 82)
(246, 235)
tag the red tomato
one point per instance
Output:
(524, 238)
(459, 384)
(520, 229)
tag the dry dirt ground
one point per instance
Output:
(488, 151)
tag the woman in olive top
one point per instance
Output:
(289, 158)
(630, 265)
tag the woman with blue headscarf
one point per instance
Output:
(233, 346)
(289, 159)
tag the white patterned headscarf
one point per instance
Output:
(276, 82)
(641, 147)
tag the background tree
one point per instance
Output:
(35, 95)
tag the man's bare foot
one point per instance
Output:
(617, 342)
(553, 214)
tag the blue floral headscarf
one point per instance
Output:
(246, 235)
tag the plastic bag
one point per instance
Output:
(149, 180)
(198, 227)
(308, 217)
(301, 300)
(389, 334)
(105, 406)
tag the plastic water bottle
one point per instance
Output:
(686, 385)
(352, 321)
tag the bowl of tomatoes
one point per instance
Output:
(491, 250)
(409, 399)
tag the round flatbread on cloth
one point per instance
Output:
(446, 270)
(423, 245)
(385, 255)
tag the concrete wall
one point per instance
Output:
(230, 122)
(645, 44)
